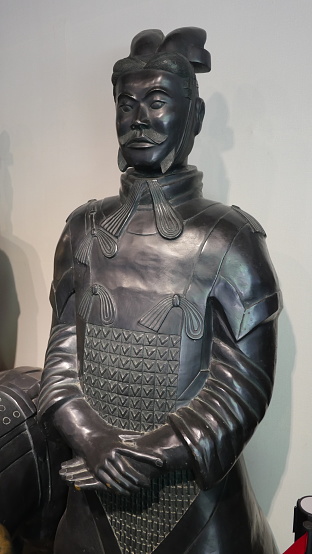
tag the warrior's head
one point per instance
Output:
(158, 109)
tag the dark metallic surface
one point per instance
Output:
(32, 497)
(161, 357)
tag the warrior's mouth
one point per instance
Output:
(140, 142)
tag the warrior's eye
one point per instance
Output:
(157, 104)
(125, 107)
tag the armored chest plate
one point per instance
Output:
(130, 378)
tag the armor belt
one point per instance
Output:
(130, 378)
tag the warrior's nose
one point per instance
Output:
(141, 118)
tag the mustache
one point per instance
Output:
(149, 134)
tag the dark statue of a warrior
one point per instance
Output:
(161, 357)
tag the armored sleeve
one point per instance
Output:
(60, 381)
(244, 303)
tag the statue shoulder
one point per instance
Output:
(215, 215)
(246, 285)
(96, 206)
(81, 210)
(255, 226)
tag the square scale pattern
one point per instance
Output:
(131, 377)
(142, 520)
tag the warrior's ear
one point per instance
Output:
(199, 115)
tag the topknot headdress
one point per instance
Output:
(182, 52)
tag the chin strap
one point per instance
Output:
(168, 161)
(181, 153)
(122, 164)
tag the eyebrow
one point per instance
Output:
(150, 91)
(158, 89)
(127, 94)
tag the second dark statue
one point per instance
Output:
(161, 357)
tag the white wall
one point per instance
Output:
(58, 149)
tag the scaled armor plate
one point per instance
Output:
(130, 378)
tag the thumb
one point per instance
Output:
(147, 456)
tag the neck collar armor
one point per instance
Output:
(178, 186)
(162, 195)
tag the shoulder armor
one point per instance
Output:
(61, 291)
(86, 223)
(81, 209)
(254, 224)
(102, 207)
(246, 285)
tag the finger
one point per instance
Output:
(118, 476)
(144, 457)
(90, 482)
(111, 484)
(75, 469)
(72, 469)
(72, 464)
(80, 471)
(73, 461)
(86, 480)
(77, 475)
(95, 486)
(129, 438)
(67, 475)
(130, 472)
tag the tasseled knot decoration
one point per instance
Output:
(107, 304)
(116, 222)
(194, 322)
(108, 244)
(168, 221)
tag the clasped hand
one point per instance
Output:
(113, 463)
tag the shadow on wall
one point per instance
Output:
(18, 260)
(8, 314)
(266, 455)
(9, 311)
(216, 138)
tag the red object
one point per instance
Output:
(299, 547)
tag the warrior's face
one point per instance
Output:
(151, 115)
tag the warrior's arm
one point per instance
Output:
(216, 425)
(60, 381)
(62, 404)
(210, 432)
